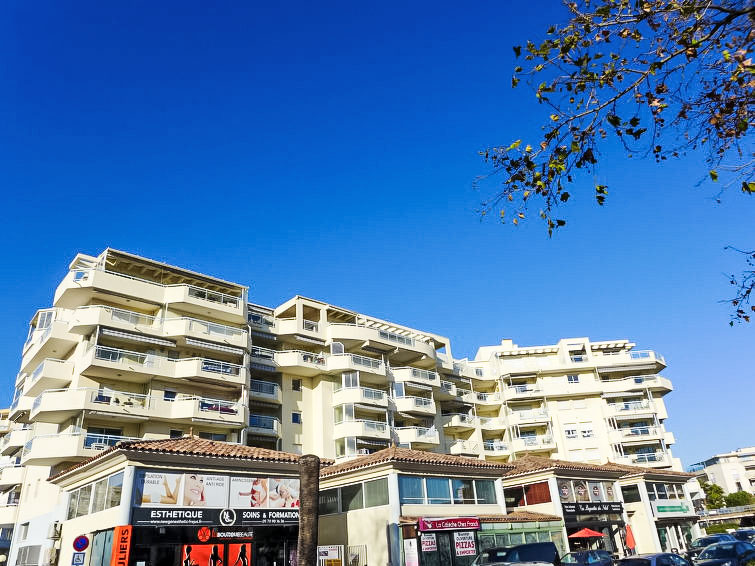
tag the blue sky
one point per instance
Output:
(329, 151)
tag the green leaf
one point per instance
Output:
(514, 145)
(748, 187)
(713, 175)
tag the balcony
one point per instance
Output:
(630, 409)
(652, 459)
(57, 406)
(107, 362)
(261, 322)
(203, 409)
(465, 448)
(416, 375)
(399, 346)
(205, 330)
(355, 362)
(8, 513)
(49, 374)
(365, 395)
(636, 434)
(49, 450)
(54, 341)
(459, 422)
(524, 391)
(529, 416)
(492, 423)
(494, 398)
(265, 391)
(363, 428)
(85, 319)
(533, 443)
(495, 448)
(78, 286)
(628, 361)
(412, 404)
(299, 362)
(14, 440)
(290, 327)
(653, 382)
(11, 475)
(417, 435)
(264, 425)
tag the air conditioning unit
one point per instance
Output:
(363, 451)
(54, 532)
(99, 446)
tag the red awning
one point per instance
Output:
(586, 533)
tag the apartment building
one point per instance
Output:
(132, 348)
(733, 471)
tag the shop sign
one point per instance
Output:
(329, 552)
(189, 498)
(121, 546)
(449, 524)
(429, 544)
(411, 557)
(205, 534)
(671, 508)
(464, 543)
(601, 507)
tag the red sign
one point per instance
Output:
(121, 546)
(449, 524)
(81, 543)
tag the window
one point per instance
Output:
(463, 491)
(485, 490)
(570, 432)
(82, 505)
(376, 493)
(350, 379)
(410, 489)
(478, 372)
(98, 496)
(587, 432)
(296, 418)
(174, 433)
(631, 494)
(219, 436)
(329, 501)
(438, 490)
(114, 487)
(530, 494)
(23, 531)
(572, 378)
(169, 395)
(513, 496)
(351, 497)
(296, 385)
(28, 555)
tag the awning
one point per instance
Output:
(586, 533)
(136, 337)
(214, 346)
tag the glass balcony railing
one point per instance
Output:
(264, 388)
(264, 422)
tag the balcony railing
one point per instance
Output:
(268, 388)
(117, 355)
(310, 325)
(398, 338)
(211, 328)
(530, 414)
(638, 431)
(646, 458)
(367, 393)
(495, 446)
(104, 441)
(418, 402)
(631, 406)
(38, 370)
(422, 433)
(521, 390)
(371, 363)
(261, 320)
(461, 417)
(369, 427)
(264, 422)
(646, 354)
(262, 353)
(488, 397)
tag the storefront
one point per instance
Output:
(448, 541)
(182, 502)
(593, 505)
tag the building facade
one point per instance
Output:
(132, 348)
(733, 471)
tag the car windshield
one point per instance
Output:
(745, 535)
(704, 541)
(573, 558)
(492, 555)
(723, 550)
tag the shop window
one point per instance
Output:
(513, 496)
(410, 490)
(438, 490)
(485, 490)
(376, 493)
(463, 491)
(631, 494)
(351, 497)
(328, 501)
(537, 493)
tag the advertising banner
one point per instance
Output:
(672, 508)
(191, 498)
(121, 546)
(429, 544)
(411, 556)
(449, 523)
(464, 543)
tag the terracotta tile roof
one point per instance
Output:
(406, 455)
(195, 446)
(513, 517)
(530, 463)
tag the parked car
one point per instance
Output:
(655, 559)
(542, 553)
(745, 535)
(736, 553)
(697, 545)
(588, 557)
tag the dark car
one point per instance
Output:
(745, 535)
(588, 557)
(697, 545)
(655, 559)
(544, 552)
(727, 554)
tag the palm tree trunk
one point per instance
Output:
(309, 474)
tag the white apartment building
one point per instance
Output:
(134, 348)
(733, 471)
